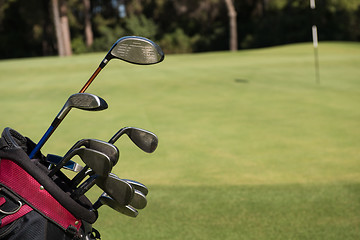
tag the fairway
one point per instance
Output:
(250, 145)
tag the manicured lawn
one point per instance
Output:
(250, 146)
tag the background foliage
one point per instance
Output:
(26, 27)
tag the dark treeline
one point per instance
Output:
(27, 27)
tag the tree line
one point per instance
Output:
(63, 27)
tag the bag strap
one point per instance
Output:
(14, 198)
(14, 210)
(36, 195)
(18, 214)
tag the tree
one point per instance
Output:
(232, 24)
(62, 29)
(89, 37)
(65, 29)
(60, 41)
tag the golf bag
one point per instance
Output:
(34, 206)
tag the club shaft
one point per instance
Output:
(79, 177)
(56, 123)
(71, 165)
(46, 136)
(117, 135)
(84, 187)
(42, 141)
(91, 79)
(97, 204)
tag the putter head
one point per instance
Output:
(136, 50)
(109, 149)
(145, 140)
(84, 101)
(105, 199)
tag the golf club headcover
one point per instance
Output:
(33, 205)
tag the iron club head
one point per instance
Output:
(109, 149)
(118, 189)
(105, 199)
(138, 186)
(145, 140)
(97, 161)
(139, 200)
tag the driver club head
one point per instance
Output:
(131, 49)
(136, 50)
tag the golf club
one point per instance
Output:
(75, 167)
(97, 161)
(84, 101)
(139, 200)
(145, 140)
(105, 199)
(132, 49)
(116, 188)
(70, 165)
(138, 186)
(108, 149)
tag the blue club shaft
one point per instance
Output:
(46, 136)
(42, 141)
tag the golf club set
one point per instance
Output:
(98, 158)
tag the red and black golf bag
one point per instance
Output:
(34, 206)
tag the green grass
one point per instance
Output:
(250, 146)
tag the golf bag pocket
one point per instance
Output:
(11, 210)
(20, 221)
